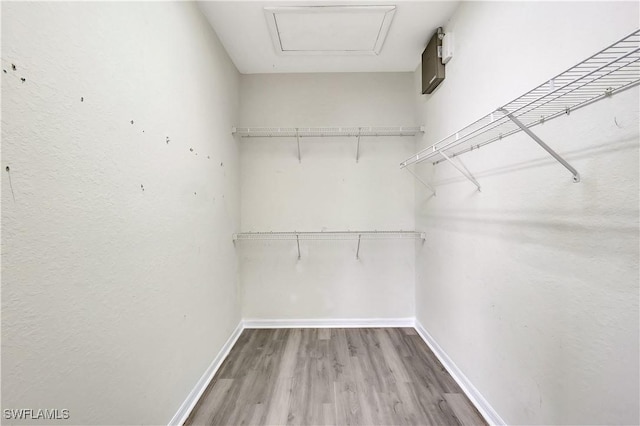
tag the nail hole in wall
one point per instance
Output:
(13, 67)
(23, 79)
(13, 195)
(81, 98)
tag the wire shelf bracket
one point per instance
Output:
(614, 69)
(327, 236)
(462, 169)
(558, 157)
(300, 132)
(429, 187)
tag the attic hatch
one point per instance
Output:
(329, 30)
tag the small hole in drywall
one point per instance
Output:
(191, 149)
(168, 140)
(142, 187)
(81, 98)
(23, 79)
(5, 71)
(221, 165)
(7, 168)
(13, 67)
(131, 121)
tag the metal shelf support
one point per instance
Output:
(574, 172)
(358, 250)
(298, 140)
(462, 169)
(298, 242)
(358, 146)
(429, 187)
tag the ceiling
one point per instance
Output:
(314, 36)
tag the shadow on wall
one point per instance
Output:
(545, 160)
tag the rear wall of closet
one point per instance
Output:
(120, 280)
(327, 191)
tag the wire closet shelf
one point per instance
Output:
(612, 70)
(329, 235)
(272, 132)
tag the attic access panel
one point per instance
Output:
(329, 30)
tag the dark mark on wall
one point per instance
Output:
(13, 67)
(194, 193)
(168, 140)
(5, 71)
(208, 158)
(10, 183)
(23, 79)
(131, 121)
(142, 187)
(191, 149)
(81, 98)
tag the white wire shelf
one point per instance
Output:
(329, 236)
(612, 70)
(273, 132)
(300, 132)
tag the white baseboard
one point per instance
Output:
(329, 323)
(185, 409)
(474, 395)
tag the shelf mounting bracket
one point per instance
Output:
(574, 172)
(358, 146)
(358, 250)
(298, 140)
(462, 169)
(298, 242)
(429, 187)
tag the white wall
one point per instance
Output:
(114, 299)
(327, 191)
(531, 286)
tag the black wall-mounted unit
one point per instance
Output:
(432, 66)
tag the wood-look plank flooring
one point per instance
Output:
(355, 376)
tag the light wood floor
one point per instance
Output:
(365, 376)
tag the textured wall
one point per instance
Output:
(118, 268)
(531, 286)
(327, 191)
